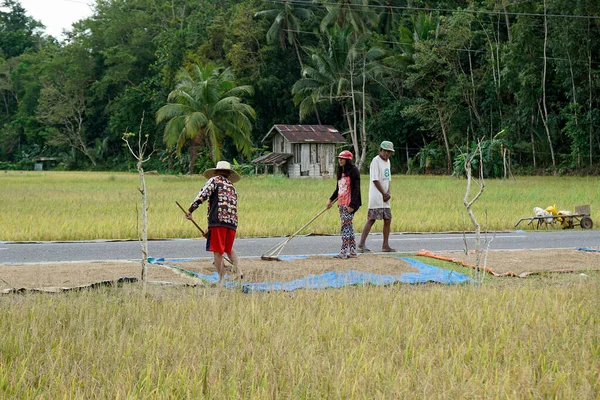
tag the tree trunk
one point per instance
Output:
(353, 128)
(468, 205)
(139, 156)
(144, 243)
(507, 21)
(5, 103)
(590, 122)
(193, 153)
(298, 55)
(533, 143)
(352, 134)
(545, 113)
(445, 136)
(363, 133)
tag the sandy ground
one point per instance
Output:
(522, 262)
(257, 270)
(69, 275)
(55, 276)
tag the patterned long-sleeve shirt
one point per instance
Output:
(222, 202)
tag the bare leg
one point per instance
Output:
(219, 265)
(236, 263)
(365, 233)
(387, 223)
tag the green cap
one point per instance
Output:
(385, 145)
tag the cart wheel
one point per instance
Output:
(586, 223)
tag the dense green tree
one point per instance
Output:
(454, 74)
(62, 103)
(286, 25)
(18, 31)
(436, 77)
(356, 14)
(340, 72)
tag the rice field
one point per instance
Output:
(531, 340)
(510, 338)
(46, 206)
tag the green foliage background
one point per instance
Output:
(449, 74)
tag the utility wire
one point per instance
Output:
(412, 44)
(376, 6)
(502, 21)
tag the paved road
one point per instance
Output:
(255, 247)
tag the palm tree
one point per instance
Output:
(205, 107)
(388, 15)
(355, 13)
(286, 25)
(424, 27)
(341, 73)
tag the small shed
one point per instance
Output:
(302, 150)
(45, 163)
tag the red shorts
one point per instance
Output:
(220, 239)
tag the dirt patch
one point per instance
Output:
(257, 270)
(522, 262)
(68, 275)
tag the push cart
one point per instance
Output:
(581, 216)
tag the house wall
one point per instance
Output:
(312, 159)
(278, 144)
(329, 163)
(281, 145)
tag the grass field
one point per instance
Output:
(510, 338)
(84, 205)
(522, 340)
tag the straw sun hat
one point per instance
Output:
(222, 166)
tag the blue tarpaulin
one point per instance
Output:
(328, 280)
(588, 250)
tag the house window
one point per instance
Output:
(282, 145)
(296, 153)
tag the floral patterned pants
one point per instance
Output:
(347, 231)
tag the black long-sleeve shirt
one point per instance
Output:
(222, 202)
(355, 199)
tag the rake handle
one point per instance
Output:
(280, 246)
(198, 226)
(308, 223)
(191, 219)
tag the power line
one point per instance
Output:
(447, 10)
(501, 21)
(412, 45)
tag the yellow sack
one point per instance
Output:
(567, 222)
(552, 210)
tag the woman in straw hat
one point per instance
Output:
(347, 193)
(222, 213)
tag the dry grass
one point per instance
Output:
(256, 270)
(86, 205)
(435, 342)
(532, 261)
(72, 274)
(534, 338)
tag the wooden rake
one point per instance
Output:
(273, 253)
(239, 270)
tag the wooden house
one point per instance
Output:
(302, 150)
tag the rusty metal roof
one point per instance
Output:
(307, 133)
(272, 159)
